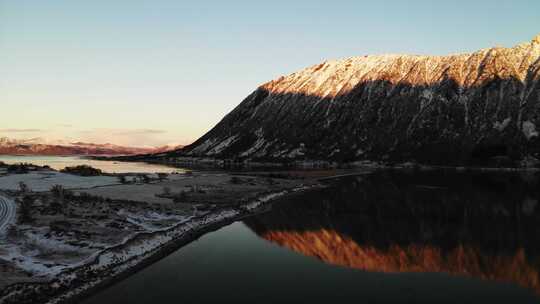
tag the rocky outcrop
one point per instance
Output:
(435, 109)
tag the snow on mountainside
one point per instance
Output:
(38, 146)
(452, 109)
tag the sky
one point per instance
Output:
(150, 73)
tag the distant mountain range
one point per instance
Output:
(455, 109)
(38, 146)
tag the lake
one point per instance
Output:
(392, 237)
(60, 162)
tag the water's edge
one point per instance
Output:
(98, 275)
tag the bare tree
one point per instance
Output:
(26, 204)
(23, 187)
(60, 194)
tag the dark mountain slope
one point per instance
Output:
(452, 109)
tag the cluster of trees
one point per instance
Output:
(21, 168)
(182, 196)
(82, 170)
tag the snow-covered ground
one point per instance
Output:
(153, 221)
(43, 257)
(121, 258)
(43, 254)
(91, 267)
(119, 225)
(44, 180)
(8, 213)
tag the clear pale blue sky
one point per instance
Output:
(156, 72)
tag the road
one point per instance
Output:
(8, 213)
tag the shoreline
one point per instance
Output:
(225, 164)
(117, 262)
(120, 261)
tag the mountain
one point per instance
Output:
(38, 146)
(456, 109)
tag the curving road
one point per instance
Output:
(8, 213)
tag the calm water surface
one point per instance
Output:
(388, 238)
(60, 162)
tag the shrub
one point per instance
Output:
(58, 191)
(18, 168)
(122, 179)
(162, 176)
(25, 212)
(180, 197)
(85, 197)
(196, 188)
(60, 226)
(23, 187)
(144, 178)
(166, 191)
(14, 233)
(61, 195)
(271, 181)
(236, 180)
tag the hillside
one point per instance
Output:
(481, 107)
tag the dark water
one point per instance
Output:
(428, 237)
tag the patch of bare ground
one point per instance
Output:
(198, 188)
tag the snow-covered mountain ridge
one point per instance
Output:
(39, 146)
(436, 109)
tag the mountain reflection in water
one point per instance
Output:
(481, 225)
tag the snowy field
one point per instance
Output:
(44, 180)
(114, 222)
